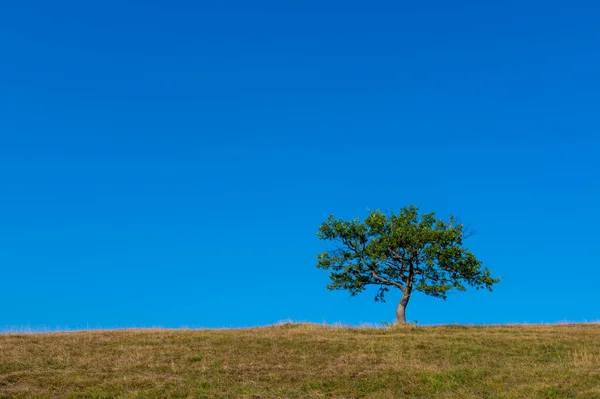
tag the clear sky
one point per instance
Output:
(168, 163)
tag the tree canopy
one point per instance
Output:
(403, 250)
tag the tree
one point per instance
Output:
(401, 250)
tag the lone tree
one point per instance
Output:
(401, 250)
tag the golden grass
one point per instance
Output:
(306, 361)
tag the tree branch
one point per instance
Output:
(386, 281)
(359, 253)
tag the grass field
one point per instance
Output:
(306, 361)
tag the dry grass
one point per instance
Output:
(306, 361)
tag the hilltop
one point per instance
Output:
(306, 361)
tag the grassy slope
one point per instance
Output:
(306, 361)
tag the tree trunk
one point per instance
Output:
(401, 309)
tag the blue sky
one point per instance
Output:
(168, 163)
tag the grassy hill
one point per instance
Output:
(306, 361)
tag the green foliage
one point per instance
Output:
(404, 250)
